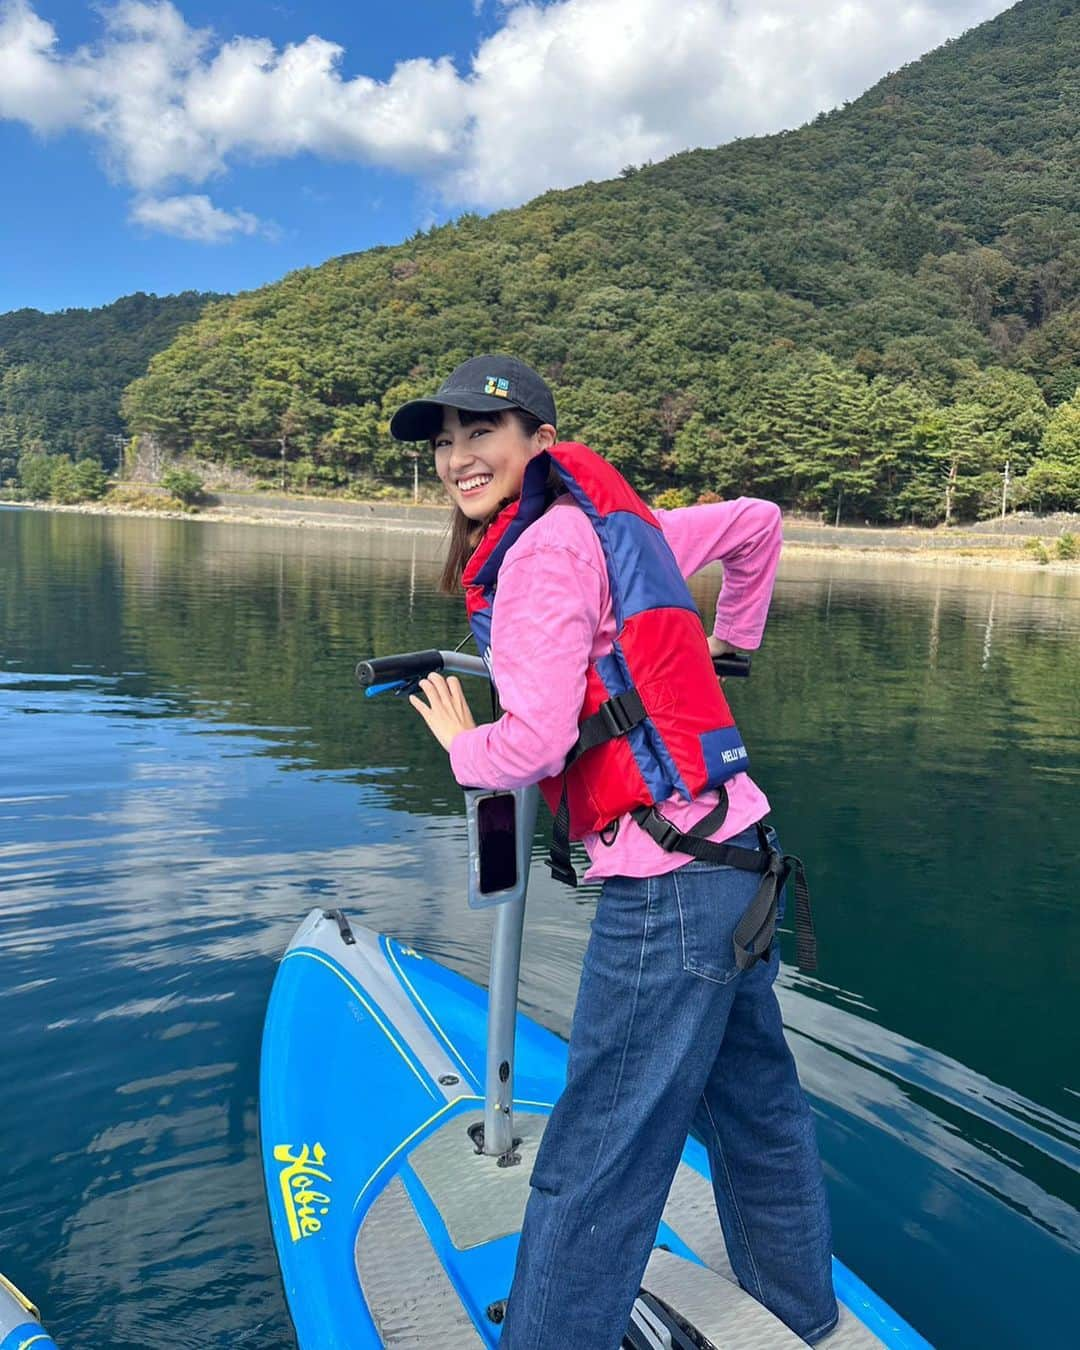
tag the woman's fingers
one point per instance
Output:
(460, 702)
(421, 707)
(447, 696)
(445, 712)
(438, 693)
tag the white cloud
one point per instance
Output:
(193, 216)
(578, 89)
(36, 85)
(559, 93)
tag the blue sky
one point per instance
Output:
(165, 145)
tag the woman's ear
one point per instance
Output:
(545, 437)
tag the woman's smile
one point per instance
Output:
(474, 484)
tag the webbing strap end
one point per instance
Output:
(563, 872)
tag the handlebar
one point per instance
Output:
(731, 663)
(380, 674)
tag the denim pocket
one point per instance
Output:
(711, 901)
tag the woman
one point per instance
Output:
(676, 1023)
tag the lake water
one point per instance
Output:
(186, 768)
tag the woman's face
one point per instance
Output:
(482, 463)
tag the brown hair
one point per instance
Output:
(465, 534)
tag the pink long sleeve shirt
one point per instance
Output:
(552, 614)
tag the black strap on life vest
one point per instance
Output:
(756, 929)
(620, 714)
(612, 719)
(562, 869)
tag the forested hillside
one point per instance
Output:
(61, 375)
(872, 314)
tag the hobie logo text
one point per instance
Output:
(299, 1179)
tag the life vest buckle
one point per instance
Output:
(669, 836)
(616, 718)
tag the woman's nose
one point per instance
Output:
(460, 453)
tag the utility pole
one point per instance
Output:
(1005, 491)
(414, 455)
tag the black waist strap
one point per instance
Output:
(562, 869)
(756, 929)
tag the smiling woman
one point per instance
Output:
(609, 701)
(480, 457)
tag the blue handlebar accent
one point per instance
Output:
(374, 689)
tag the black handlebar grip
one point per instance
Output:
(406, 666)
(415, 665)
(731, 663)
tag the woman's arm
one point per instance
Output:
(547, 610)
(746, 536)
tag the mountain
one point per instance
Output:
(869, 315)
(61, 375)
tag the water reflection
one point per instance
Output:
(187, 769)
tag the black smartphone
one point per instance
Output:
(497, 833)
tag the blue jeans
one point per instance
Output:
(668, 1033)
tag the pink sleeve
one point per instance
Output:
(547, 609)
(745, 535)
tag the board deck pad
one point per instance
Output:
(479, 1201)
(424, 1311)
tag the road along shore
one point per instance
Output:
(987, 544)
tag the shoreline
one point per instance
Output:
(965, 550)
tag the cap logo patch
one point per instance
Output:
(494, 385)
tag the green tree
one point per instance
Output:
(183, 484)
(65, 488)
(1050, 485)
(35, 476)
(90, 479)
(1061, 438)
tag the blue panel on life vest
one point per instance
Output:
(612, 670)
(642, 561)
(671, 780)
(725, 754)
(480, 623)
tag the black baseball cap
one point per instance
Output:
(481, 384)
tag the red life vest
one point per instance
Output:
(654, 721)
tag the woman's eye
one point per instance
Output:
(480, 431)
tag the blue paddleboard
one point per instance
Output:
(20, 1325)
(391, 1227)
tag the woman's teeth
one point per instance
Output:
(470, 484)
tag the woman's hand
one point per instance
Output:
(445, 712)
(720, 647)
